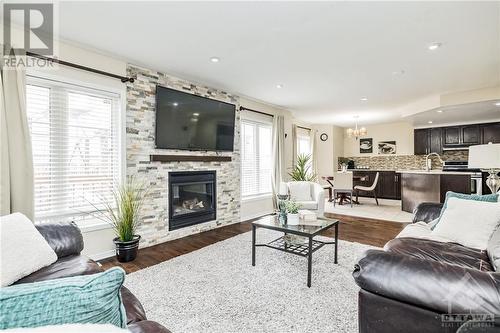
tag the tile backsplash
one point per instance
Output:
(405, 162)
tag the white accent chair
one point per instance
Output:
(308, 195)
(342, 184)
(371, 188)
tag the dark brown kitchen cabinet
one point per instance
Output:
(451, 136)
(421, 141)
(428, 140)
(454, 183)
(388, 186)
(490, 133)
(435, 140)
(470, 135)
(438, 139)
(461, 136)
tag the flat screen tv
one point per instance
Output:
(189, 122)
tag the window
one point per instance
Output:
(256, 151)
(75, 140)
(303, 141)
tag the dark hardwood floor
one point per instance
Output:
(353, 229)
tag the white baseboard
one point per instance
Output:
(102, 255)
(254, 216)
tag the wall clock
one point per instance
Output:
(323, 137)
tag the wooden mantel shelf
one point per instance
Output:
(189, 158)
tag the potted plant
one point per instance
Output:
(302, 169)
(292, 216)
(124, 215)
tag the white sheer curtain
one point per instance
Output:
(278, 155)
(16, 159)
(314, 151)
(294, 144)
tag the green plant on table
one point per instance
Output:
(302, 169)
(292, 207)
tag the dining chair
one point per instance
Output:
(342, 184)
(372, 188)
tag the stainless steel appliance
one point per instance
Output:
(476, 178)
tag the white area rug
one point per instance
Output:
(216, 289)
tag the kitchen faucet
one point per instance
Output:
(428, 163)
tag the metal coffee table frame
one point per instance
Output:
(303, 250)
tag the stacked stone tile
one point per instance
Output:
(140, 143)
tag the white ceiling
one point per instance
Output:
(327, 55)
(458, 114)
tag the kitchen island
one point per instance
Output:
(419, 186)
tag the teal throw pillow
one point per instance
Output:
(93, 299)
(475, 197)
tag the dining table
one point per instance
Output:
(341, 196)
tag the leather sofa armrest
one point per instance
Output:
(441, 287)
(65, 238)
(427, 211)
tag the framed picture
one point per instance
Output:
(387, 147)
(366, 146)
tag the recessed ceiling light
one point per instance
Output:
(175, 103)
(214, 59)
(497, 104)
(430, 122)
(364, 99)
(439, 111)
(400, 72)
(196, 114)
(279, 86)
(434, 46)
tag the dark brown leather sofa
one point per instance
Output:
(67, 241)
(412, 285)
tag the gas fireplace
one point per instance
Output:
(192, 198)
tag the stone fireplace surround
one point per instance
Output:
(140, 130)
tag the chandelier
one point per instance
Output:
(356, 132)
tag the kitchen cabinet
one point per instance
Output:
(418, 187)
(388, 187)
(428, 140)
(451, 136)
(435, 140)
(470, 135)
(490, 133)
(454, 183)
(461, 136)
(438, 139)
(421, 141)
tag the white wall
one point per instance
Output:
(401, 132)
(338, 145)
(324, 151)
(330, 150)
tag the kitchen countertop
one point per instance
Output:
(371, 170)
(424, 172)
(436, 172)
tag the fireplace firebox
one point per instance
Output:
(192, 198)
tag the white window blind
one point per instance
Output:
(75, 138)
(256, 151)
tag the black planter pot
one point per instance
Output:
(126, 251)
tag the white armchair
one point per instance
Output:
(309, 195)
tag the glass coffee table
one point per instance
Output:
(305, 229)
